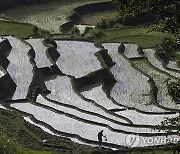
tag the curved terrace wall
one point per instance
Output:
(89, 8)
(153, 87)
(5, 46)
(4, 62)
(7, 86)
(85, 9)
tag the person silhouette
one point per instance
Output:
(100, 135)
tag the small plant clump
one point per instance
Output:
(110, 23)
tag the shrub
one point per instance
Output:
(96, 33)
(75, 31)
(169, 45)
(103, 24)
(110, 23)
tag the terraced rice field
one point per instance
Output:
(98, 95)
(67, 95)
(173, 65)
(159, 77)
(155, 61)
(133, 115)
(132, 88)
(20, 67)
(41, 58)
(131, 106)
(46, 15)
(77, 58)
(132, 51)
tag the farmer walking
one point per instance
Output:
(100, 135)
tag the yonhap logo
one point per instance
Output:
(132, 140)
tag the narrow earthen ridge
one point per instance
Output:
(164, 63)
(4, 62)
(37, 85)
(82, 139)
(7, 85)
(151, 82)
(85, 9)
(5, 46)
(51, 50)
(153, 87)
(53, 55)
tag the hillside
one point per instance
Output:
(65, 77)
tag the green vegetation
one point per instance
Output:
(173, 90)
(14, 133)
(18, 137)
(11, 127)
(8, 146)
(168, 49)
(19, 30)
(173, 56)
(137, 35)
(154, 152)
(136, 7)
(167, 12)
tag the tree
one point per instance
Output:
(172, 124)
(135, 7)
(173, 90)
(168, 13)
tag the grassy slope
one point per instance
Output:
(154, 152)
(9, 135)
(16, 137)
(138, 35)
(173, 56)
(21, 138)
(17, 29)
